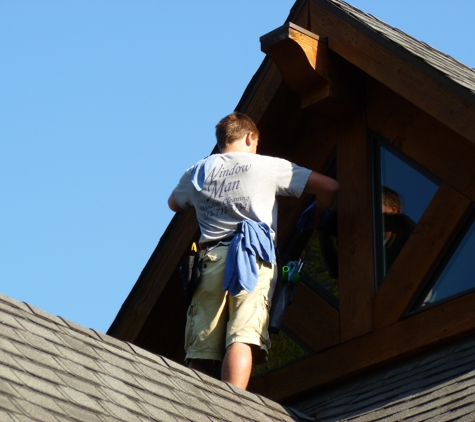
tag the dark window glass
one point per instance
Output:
(317, 250)
(456, 274)
(320, 256)
(403, 190)
(285, 350)
(318, 253)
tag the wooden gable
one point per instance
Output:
(334, 78)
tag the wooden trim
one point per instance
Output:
(268, 86)
(325, 82)
(156, 278)
(313, 320)
(433, 327)
(301, 57)
(419, 255)
(392, 70)
(355, 228)
(255, 100)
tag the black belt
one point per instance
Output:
(213, 243)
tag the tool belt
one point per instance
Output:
(190, 271)
(190, 268)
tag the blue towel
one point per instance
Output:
(241, 270)
(201, 170)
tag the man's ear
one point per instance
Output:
(249, 139)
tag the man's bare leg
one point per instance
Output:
(237, 365)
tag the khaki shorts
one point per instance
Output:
(216, 319)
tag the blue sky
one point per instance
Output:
(103, 105)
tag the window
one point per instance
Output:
(320, 257)
(456, 272)
(402, 192)
(318, 250)
(285, 350)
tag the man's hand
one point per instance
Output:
(326, 190)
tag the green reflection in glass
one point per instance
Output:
(320, 257)
(284, 351)
(318, 251)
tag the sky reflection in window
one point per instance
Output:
(458, 275)
(404, 192)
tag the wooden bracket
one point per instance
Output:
(323, 80)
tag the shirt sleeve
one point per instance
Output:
(291, 178)
(182, 191)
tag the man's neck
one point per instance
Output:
(241, 145)
(230, 149)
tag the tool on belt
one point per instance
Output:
(284, 293)
(190, 271)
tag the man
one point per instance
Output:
(397, 226)
(234, 194)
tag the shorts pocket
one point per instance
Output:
(264, 321)
(190, 324)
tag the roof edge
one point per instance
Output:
(398, 49)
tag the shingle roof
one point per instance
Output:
(405, 45)
(54, 369)
(438, 385)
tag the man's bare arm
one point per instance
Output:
(326, 190)
(173, 205)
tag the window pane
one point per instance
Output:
(284, 351)
(320, 258)
(318, 250)
(458, 275)
(414, 188)
(404, 192)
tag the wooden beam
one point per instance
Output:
(257, 105)
(267, 79)
(389, 68)
(155, 277)
(439, 149)
(433, 327)
(301, 57)
(313, 320)
(419, 255)
(322, 79)
(355, 228)
(163, 331)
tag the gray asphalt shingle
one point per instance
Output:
(53, 369)
(437, 384)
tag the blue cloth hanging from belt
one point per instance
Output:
(241, 270)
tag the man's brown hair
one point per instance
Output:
(391, 197)
(234, 127)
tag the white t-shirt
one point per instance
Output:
(239, 186)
